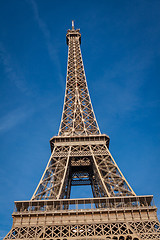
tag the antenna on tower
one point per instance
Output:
(72, 24)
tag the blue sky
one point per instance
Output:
(121, 54)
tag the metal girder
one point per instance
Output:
(95, 160)
(78, 117)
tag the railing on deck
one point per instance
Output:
(112, 203)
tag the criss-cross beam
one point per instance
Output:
(80, 154)
(78, 117)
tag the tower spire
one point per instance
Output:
(78, 117)
(72, 24)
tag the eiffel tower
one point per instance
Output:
(80, 156)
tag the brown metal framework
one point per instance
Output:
(78, 117)
(83, 161)
(80, 156)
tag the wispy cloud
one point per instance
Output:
(12, 71)
(13, 118)
(124, 80)
(2, 234)
(18, 115)
(47, 36)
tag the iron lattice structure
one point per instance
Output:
(80, 156)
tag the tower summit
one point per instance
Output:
(80, 156)
(72, 25)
